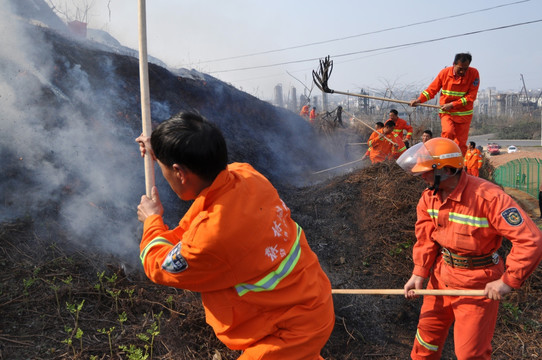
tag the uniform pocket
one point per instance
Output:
(465, 239)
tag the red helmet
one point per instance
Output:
(435, 153)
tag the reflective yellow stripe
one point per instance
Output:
(426, 345)
(468, 220)
(433, 213)
(459, 113)
(271, 280)
(426, 94)
(463, 101)
(453, 93)
(154, 242)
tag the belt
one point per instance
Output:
(469, 262)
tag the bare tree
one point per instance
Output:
(73, 10)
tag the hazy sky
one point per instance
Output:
(195, 33)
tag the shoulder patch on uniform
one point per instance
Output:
(175, 262)
(512, 216)
(476, 82)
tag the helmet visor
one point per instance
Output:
(416, 160)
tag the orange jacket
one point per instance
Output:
(473, 159)
(472, 221)
(239, 247)
(381, 149)
(312, 115)
(400, 125)
(304, 110)
(461, 90)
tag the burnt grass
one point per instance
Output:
(57, 303)
(60, 300)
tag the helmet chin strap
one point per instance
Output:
(439, 176)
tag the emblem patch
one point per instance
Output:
(512, 216)
(476, 82)
(175, 262)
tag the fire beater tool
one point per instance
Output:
(321, 79)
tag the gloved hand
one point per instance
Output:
(407, 144)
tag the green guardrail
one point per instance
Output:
(523, 174)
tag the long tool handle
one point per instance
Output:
(384, 99)
(451, 292)
(370, 127)
(145, 95)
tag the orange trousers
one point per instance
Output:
(296, 341)
(473, 171)
(475, 318)
(455, 130)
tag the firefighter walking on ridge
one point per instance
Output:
(473, 160)
(262, 287)
(459, 84)
(461, 222)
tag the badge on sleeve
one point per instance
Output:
(512, 216)
(175, 262)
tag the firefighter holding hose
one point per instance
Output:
(461, 222)
(261, 285)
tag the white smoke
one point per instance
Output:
(58, 164)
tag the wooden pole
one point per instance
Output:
(384, 99)
(451, 292)
(145, 95)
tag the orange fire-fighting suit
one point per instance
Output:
(473, 161)
(462, 91)
(304, 111)
(312, 115)
(261, 285)
(381, 149)
(471, 222)
(400, 125)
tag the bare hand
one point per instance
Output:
(414, 102)
(415, 282)
(495, 290)
(447, 107)
(144, 145)
(150, 206)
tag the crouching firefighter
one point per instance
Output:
(261, 285)
(461, 221)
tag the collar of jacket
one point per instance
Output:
(207, 196)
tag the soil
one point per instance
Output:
(360, 225)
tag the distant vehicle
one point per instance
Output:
(512, 149)
(493, 149)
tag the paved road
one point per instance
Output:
(483, 140)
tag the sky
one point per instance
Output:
(396, 44)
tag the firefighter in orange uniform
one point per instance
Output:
(385, 144)
(459, 84)
(304, 111)
(473, 160)
(312, 115)
(461, 221)
(400, 127)
(261, 285)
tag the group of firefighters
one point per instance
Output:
(262, 287)
(392, 138)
